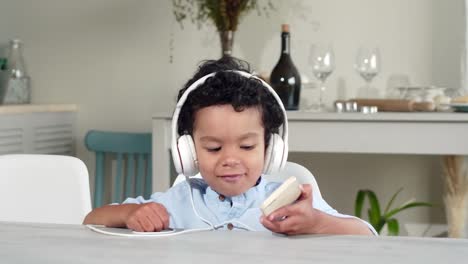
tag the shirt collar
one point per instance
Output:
(241, 198)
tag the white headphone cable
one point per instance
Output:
(213, 227)
(187, 179)
(129, 233)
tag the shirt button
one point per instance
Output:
(222, 198)
(230, 226)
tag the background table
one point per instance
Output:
(45, 243)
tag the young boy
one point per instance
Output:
(230, 120)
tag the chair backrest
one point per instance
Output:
(132, 152)
(44, 189)
(303, 175)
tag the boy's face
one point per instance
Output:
(230, 147)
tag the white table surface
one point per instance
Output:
(432, 133)
(48, 243)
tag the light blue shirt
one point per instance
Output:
(240, 212)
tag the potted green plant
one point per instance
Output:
(376, 217)
(224, 14)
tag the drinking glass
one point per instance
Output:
(367, 64)
(322, 60)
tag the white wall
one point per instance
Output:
(111, 57)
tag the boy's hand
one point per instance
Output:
(297, 218)
(148, 217)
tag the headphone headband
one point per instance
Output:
(175, 118)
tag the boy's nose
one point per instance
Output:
(230, 157)
(231, 161)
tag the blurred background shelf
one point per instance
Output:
(38, 129)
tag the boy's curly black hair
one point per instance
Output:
(229, 88)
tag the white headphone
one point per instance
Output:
(183, 147)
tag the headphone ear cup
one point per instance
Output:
(274, 155)
(187, 156)
(266, 165)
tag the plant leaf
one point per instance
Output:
(406, 206)
(380, 225)
(374, 222)
(389, 204)
(393, 227)
(374, 212)
(359, 203)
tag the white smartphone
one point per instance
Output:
(287, 193)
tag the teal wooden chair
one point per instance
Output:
(132, 152)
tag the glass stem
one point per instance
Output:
(322, 90)
(368, 88)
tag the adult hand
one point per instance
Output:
(148, 217)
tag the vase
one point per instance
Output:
(227, 40)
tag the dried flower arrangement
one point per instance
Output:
(224, 14)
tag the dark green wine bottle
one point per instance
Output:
(285, 78)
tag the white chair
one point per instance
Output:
(43, 189)
(302, 174)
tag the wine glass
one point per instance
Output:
(367, 64)
(322, 60)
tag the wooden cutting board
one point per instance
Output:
(396, 105)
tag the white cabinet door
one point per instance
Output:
(37, 133)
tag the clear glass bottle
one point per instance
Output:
(16, 82)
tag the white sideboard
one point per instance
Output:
(382, 133)
(37, 129)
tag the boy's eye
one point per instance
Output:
(213, 149)
(248, 147)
